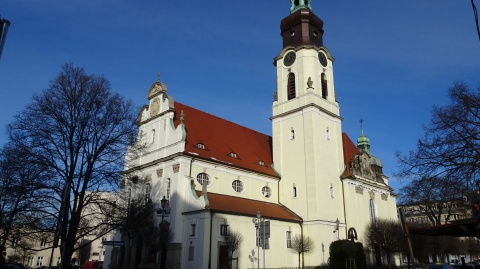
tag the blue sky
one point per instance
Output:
(394, 59)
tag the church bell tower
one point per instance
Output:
(306, 122)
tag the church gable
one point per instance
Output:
(359, 163)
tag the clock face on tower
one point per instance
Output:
(289, 58)
(322, 58)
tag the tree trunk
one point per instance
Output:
(299, 260)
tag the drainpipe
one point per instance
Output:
(344, 207)
(210, 243)
(190, 172)
(301, 232)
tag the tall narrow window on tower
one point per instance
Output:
(324, 86)
(291, 91)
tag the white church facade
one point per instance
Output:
(308, 178)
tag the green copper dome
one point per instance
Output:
(299, 4)
(363, 140)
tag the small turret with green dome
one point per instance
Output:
(363, 142)
(299, 4)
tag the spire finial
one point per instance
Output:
(361, 125)
(158, 76)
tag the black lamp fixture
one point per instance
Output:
(337, 226)
(164, 209)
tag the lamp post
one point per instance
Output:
(323, 253)
(257, 221)
(163, 212)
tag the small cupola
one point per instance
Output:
(363, 143)
(157, 88)
(298, 4)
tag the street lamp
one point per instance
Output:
(163, 212)
(257, 222)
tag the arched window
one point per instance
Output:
(148, 188)
(291, 91)
(372, 211)
(324, 86)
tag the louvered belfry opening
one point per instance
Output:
(291, 86)
(324, 87)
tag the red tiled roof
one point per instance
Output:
(246, 207)
(222, 137)
(349, 153)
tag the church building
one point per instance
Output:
(219, 178)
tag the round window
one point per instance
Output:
(237, 185)
(266, 191)
(203, 178)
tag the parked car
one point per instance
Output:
(438, 266)
(13, 265)
(93, 265)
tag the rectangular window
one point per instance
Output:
(168, 188)
(192, 229)
(191, 253)
(289, 239)
(224, 229)
(30, 261)
(39, 261)
(294, 191)
(43, 242)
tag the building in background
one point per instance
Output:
(307, 179)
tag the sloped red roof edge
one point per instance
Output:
(220, 203)
(349, 152)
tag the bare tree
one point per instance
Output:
(302, 244)
(234, 241)
(22, 196)
(433, 197)
(386, 235)
(78, 129)
(450, 147)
